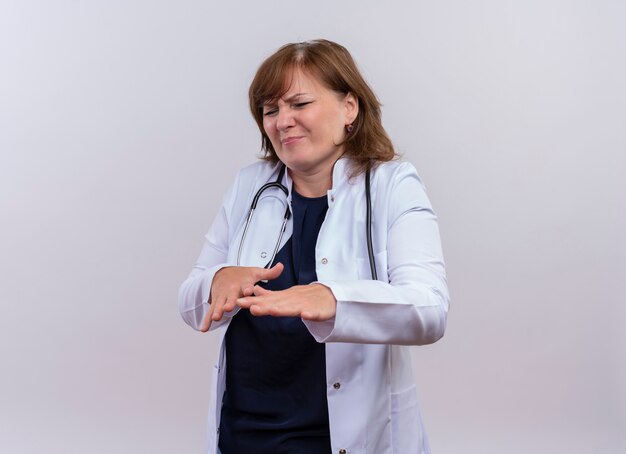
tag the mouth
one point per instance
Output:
(287, 141)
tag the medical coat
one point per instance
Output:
(372, 400)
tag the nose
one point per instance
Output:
(284, 119)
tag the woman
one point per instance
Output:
(314, 325)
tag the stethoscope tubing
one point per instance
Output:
(368, 226)
(279, 185)
(255, 201)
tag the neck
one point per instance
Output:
(314, 181)
(311, 185)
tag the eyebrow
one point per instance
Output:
(287, 100)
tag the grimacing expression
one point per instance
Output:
(307, 124)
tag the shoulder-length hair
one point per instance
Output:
(331, 64)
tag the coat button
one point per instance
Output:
(337, 385)
(342, 451)
(324, 261)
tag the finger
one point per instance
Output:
(274, 304)
(245, 302)
(248, 290)
(271, 273)
(219, 309)
(257, 297)
(275, 310)
(260, 291)
(229, 305)
(310, 315)
(257, 310)
(258, 307)
(206, 321)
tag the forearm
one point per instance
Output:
(373, 312)
(409, 302)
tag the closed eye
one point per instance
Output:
(270, 112)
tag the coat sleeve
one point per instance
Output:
(411, 307)
(194, 293)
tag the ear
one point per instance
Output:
(351, 104)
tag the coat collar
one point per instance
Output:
(340, 176)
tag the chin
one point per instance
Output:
(298, 166)
(295, 162)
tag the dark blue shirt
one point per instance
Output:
(275, 397)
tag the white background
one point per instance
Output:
(122, 123)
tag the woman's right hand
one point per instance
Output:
(233, 282)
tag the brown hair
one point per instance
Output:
(332, 65)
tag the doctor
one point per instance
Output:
(314, 353)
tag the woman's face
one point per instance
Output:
(306, 124)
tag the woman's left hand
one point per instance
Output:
(309, 302)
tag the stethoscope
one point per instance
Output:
(279, 185)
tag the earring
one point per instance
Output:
(349, 128)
